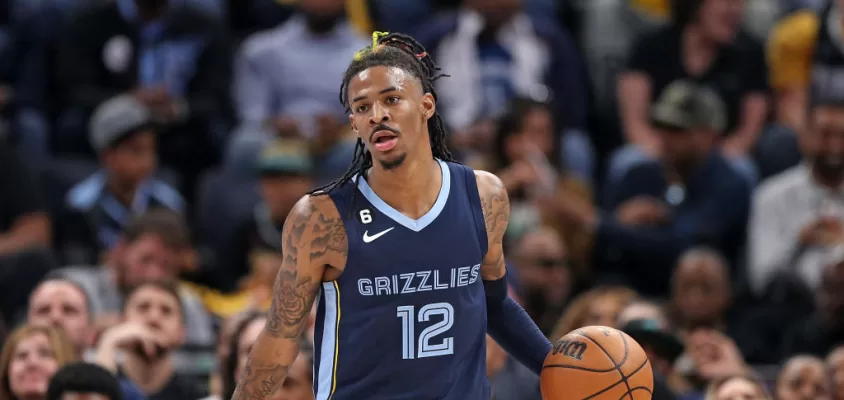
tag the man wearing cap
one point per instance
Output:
(285, 168)
(123, 134)
(659, 209)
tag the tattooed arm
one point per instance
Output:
(313, 240)
(495, 206)
(507, 322)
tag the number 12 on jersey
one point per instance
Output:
(425, 348)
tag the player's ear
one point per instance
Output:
(429, 105)
(352, 123)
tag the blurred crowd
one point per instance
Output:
(675, 169)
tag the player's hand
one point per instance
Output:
(134, 336)
(714, 354)
(822, 232)
(642, 211)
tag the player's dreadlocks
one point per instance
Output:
(392, 50)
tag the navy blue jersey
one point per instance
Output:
(407, 317)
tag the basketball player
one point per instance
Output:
(403, 252)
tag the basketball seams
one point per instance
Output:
(604, 390)
(630, 388)
(624, 378)
(612, 360)
(630, 392)
(650, 393)
(566, 366)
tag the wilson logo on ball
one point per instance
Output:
(570, 348)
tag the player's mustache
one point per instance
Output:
(382, 127)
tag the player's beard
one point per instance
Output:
(395, 163)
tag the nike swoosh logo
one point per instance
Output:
(368, 239)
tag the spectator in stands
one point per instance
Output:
(544, 274)
(151, 247)
(835, 371)
(286, 80)
(643, 310)
(661, 347)
(821, 332)
(807, 62)
(124, 135)
(285, 168)
(181, 70)
(508, 378)
(661, 209)
(797, 215)
(24, 233)
(607, 31)
(299, 382)
(30, 357)
(701, 292)
(63, 304)
(237, 329)
(526, 154)
(154, 326)
(221, 374)
(710, 357)
(84, 380)
(737, 387)
(599, 306)
(802, 378)
(702, 44)
(516, 56)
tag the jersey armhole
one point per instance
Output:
(477, 213)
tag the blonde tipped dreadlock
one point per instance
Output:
(376, 36)
(400, 51)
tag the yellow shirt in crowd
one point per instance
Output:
(225, 305)
(791, 48)
(654, 8)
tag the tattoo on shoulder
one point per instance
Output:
(495, 207)
(314, 235)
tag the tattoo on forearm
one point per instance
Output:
(260, 382)
(309, 234)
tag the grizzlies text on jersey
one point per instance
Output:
(407, 317)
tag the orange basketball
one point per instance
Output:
(596, 362)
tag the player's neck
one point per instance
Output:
(411, 188)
